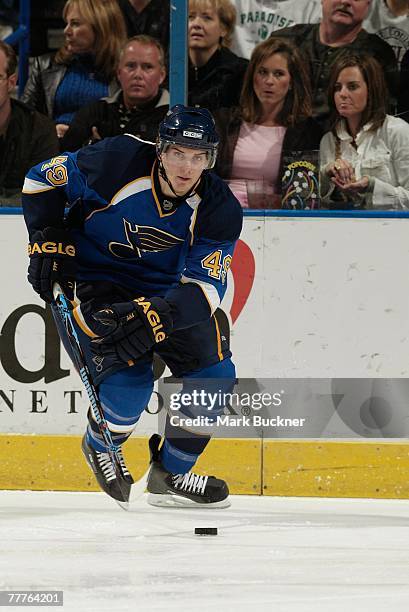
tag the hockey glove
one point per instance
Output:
(133, 328)
(52, 259)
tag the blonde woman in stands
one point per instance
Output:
(365, 156)
(215, 73)
(83, 70)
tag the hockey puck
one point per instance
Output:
(205, 530)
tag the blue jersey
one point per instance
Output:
(127, 232)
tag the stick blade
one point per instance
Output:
(137, 490)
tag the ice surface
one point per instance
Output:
(278, 554)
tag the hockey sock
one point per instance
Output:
(206, 388)
(124, 396)
(181, 449)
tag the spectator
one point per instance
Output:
(365, 156)
(149, 17)
(137, 108)
(389, 19)
(274, 118)
(215, 73)
(258, 19)
(84, 69)
(322, 43)
(26, 136)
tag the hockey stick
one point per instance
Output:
(64, 312)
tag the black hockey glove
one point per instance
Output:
(134, 328)
(52, 259)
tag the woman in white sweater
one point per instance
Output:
(365, 157)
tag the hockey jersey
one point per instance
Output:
(128, 233)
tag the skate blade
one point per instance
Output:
(175, 501)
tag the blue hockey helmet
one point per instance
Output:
(190, 127)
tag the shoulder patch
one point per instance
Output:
(56, 171)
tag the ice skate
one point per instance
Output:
(183, 490)
(101, 464)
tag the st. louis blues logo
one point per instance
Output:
(143, 239)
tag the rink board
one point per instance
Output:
(56, 463)
(296, 309)
(336, 469)
(251, 467)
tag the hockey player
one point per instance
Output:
(148, 239)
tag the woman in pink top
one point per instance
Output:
(274, 117)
